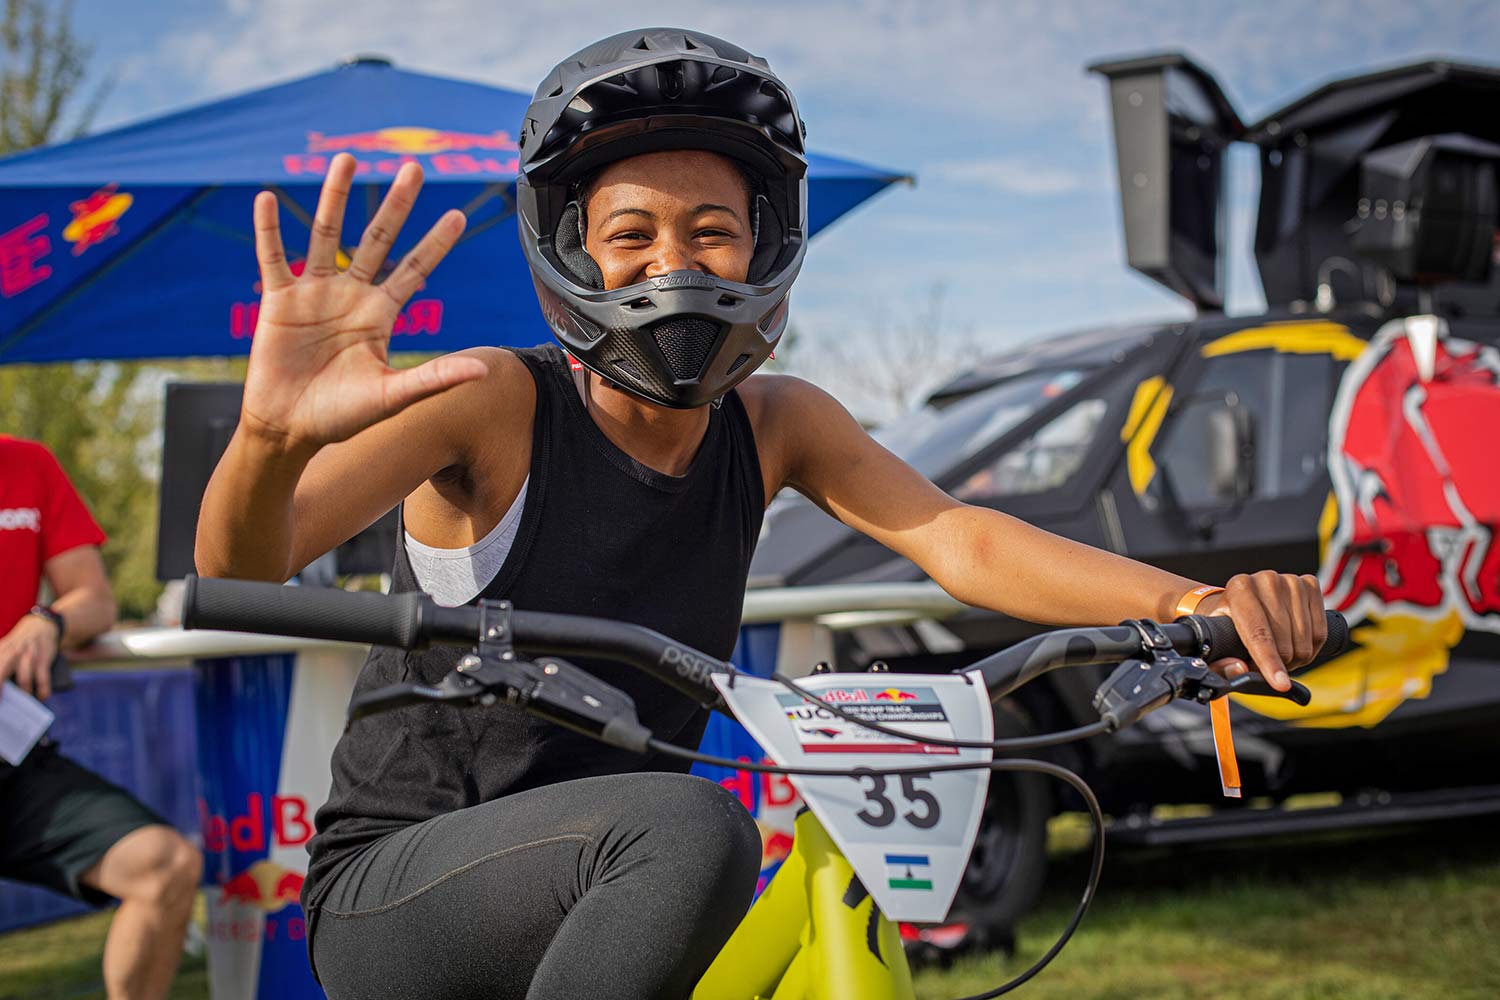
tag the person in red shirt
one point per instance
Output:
(61, 825)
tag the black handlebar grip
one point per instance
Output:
(308, 612)
(1225, 642)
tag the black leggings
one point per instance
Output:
(623, 886)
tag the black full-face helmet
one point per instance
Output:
(681, 339)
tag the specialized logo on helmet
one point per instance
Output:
(684, 279)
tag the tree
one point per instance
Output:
(101, 420)
(883, 368)
(42, 69)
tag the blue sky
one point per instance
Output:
(1014, 211)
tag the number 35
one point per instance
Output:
(881, 811)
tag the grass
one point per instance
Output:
(60, 961)
(1411, 915)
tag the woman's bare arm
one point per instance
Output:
(318, 377)
(992, 560)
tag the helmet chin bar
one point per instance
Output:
(680, 340)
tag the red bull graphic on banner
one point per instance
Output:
(770, 798)
(95, 218)
(1410, 531)
(22, 250)
(266, 731)
(383, 151)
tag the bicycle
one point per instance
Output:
(825, 927)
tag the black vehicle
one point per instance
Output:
(1348, 432)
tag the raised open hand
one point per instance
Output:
(318, 370)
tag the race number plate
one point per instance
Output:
(907, 834)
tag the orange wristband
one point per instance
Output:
(1190, 601)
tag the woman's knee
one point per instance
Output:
(705, 824)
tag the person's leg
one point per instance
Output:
(622, 886)
(64, 827)
(154, 873)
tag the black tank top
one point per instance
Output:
(601, 534)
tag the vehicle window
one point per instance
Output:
(932, 441)
(1043, 461)
(1287, 397)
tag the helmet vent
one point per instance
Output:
(641, 304)
(728, 301)
(721, 75)
(737, 363)
(629, 370)
(685, 344)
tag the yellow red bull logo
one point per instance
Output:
(382, 151)
(95, 217)
(894, 694)
(408, 139)
(265, 884)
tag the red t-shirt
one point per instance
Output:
(41, 515)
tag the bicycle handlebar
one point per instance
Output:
(414, 621)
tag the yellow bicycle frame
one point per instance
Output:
(814, 934)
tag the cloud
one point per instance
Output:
(1012, 175)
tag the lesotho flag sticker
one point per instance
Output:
(908, 871)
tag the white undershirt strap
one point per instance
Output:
(456, 576)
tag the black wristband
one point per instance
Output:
(43, 611)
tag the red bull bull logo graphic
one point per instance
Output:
(895, 694)
(438, 150)
(1415, 482)
(1409, 532)
(264, 884)
(94, 218)
(244, 906)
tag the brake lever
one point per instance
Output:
(1256, 685)
(453, 688)
(550, 688)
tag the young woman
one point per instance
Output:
(663, 213)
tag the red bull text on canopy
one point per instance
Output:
(437, 150)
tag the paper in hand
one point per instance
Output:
(23, 720)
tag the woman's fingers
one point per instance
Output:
(1246, 606)
(403, 388)
(328, 220)
(1299, 616)
(1312, 591)
(269, 251)
(419, 262)
(380, 234)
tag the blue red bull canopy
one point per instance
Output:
(136, 243)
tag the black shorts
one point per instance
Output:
(57, 819)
